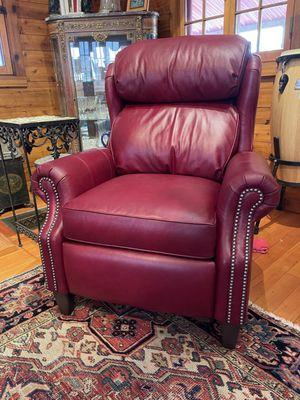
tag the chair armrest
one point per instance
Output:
(57, 182)
(75, 174)
(248, 170)
(248, 192)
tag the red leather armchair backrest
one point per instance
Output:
(182, 105)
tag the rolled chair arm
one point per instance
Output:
(248, 193)
(75, 174)
(57, 182)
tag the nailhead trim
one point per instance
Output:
(247, 251)
(48, 236)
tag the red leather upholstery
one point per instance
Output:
(113, 99)
(77, 174)
(169, 214)
(150, 281)
(169, 139)
(164, 218)
(245, 171)
(58, 182)
(247, 102)
(185, 69)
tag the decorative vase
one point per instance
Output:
(107, 6)
(54, 7)
(86, 6)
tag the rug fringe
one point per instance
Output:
(21, 273)
(268, 314)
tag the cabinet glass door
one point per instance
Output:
(90, 60)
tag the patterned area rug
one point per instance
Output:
(28, 219)
(112, 352)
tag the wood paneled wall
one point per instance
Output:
(165, 16)
(262, 137)
(41, 95)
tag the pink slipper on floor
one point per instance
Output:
(260, 246)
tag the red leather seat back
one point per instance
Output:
(176, 108)
(185, 139)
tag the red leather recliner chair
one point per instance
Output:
(163, 219)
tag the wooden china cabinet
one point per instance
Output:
(83, 46)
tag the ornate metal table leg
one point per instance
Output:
(36, 210)
(10, 195)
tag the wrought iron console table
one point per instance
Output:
(57, 134)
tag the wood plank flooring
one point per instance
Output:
(275, 280)
(14, 259)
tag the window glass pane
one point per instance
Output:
(268, 2)
(214, 26)
(246, 4)
(193, 10)
(272, 28)
(214, 7)
(247, 26)
(194, 29)
(2, 59)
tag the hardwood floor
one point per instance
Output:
(275, 280)
(14, 259)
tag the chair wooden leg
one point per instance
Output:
(65, 303)
(230, 335)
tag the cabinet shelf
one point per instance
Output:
(83, 46)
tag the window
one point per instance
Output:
(264, 23)
(5, 59)
(204, 17)
(12, 71)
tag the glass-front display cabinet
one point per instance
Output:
(83, 47)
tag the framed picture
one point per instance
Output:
(137, 5)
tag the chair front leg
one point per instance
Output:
(65, 302)
(229, 335)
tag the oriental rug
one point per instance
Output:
(28, 219)
(111, 352)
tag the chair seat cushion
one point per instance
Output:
(170, 214)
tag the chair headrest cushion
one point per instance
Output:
(182, 69)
